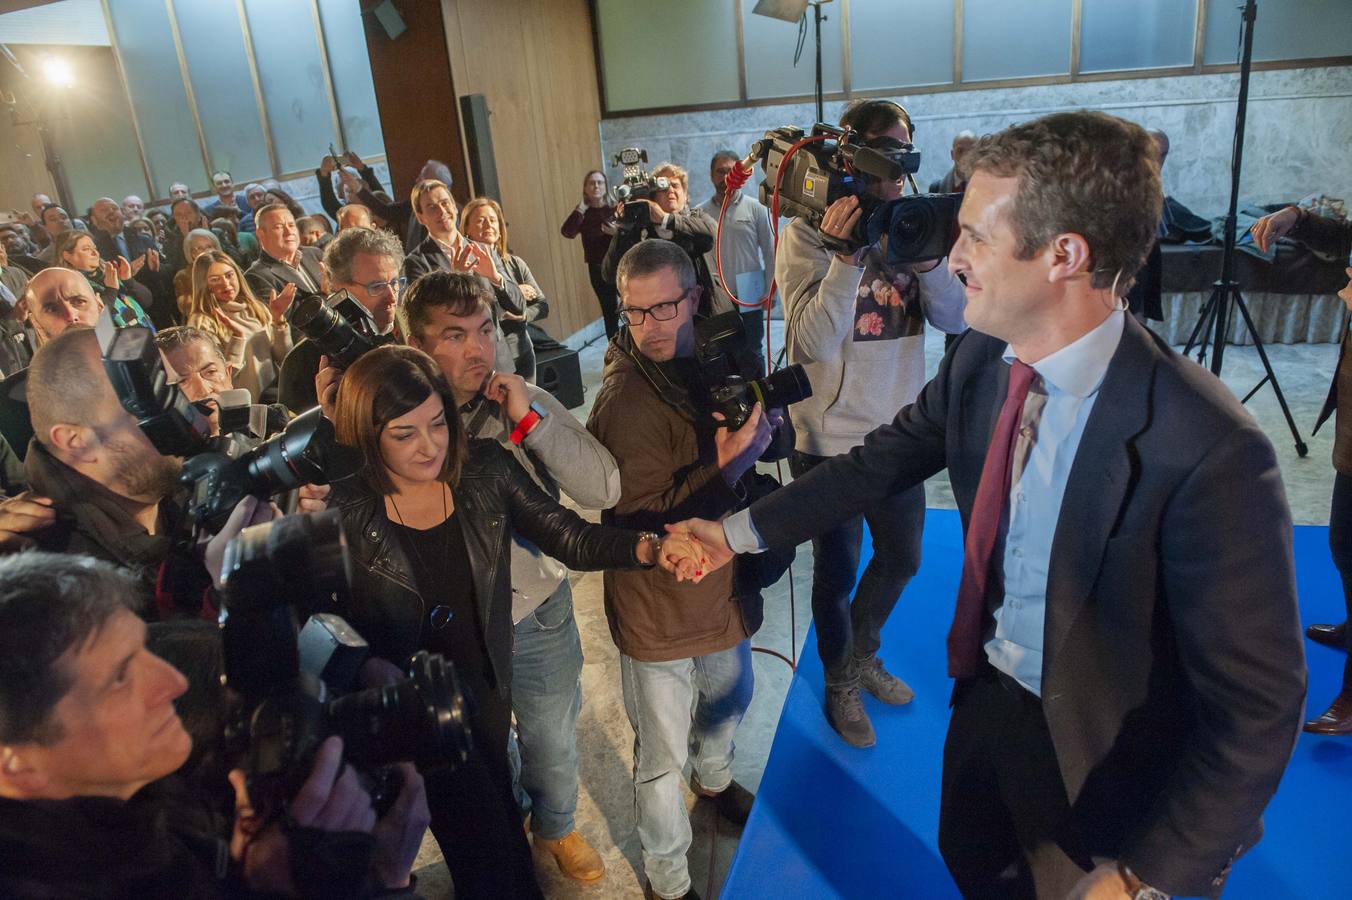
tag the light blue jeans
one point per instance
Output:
(546, 700)
(658, 698)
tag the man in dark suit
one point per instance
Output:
(152, 285)
(283, 260)
(1126, 643)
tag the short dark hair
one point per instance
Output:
(42, 214)
(383, 385)
(50, 604)
(873, 116)
(1084, 172)
(459, 293)
(720, 155)
(180, 336)
(654, 255)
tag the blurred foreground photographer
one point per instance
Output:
(88, 737)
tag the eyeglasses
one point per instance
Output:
(394, 285)
(662, 312)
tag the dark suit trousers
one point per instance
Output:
(846, 628)
(1005, 826)
(1340, 542)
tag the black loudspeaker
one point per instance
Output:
(558, 372)
(483, 168)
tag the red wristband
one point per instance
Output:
(523, 428)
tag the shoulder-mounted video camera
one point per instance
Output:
(338, 325)
(297, 686)
(636, 183)
(221, 470)
(812, 171)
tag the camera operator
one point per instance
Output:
(670, 219)
(199, 368)
(449, 316)
(100, 488)
(676, 641)
(857, 326)
(88, 736)
(429, 522)
(55, 299)
(366, 263)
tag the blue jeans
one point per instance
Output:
(546, 700)
(658, 698)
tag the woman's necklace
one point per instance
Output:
(412, 542)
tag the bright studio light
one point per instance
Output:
(58, 71)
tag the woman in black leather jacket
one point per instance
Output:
(429, 522)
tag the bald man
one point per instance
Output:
(151, 286)
(55, 300)
(354, 215)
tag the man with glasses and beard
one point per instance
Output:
(100, 488)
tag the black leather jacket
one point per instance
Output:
(494, 497)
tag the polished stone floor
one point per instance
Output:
(605, 807)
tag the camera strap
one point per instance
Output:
(671, 393)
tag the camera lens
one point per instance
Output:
(325, 326)
(783, 388)
(423, 719)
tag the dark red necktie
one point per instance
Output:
(992, 494)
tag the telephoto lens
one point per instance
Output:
(783, 388)
(324, 325)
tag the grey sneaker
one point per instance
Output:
(881, 683)
(845, 712)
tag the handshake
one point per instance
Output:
(691, 550)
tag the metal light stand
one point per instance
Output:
(1217, 313)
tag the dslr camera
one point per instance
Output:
(918, 227)
(224, 469)
(337, 324)
(297, 686)
(719, 342)
(636, 183)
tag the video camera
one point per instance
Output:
(338, 325)
(719, 341)
(810, 172)
(297, 686)
(636, 184)
(221, 470)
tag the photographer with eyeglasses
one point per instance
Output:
(367, 264)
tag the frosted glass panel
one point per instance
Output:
(146, 45)
(658, 53)
(770, 43)
(898, 45)
(1285, 29)
(1143, 34)
(1001, 39)
(289, 68)
(351, 68)
(213, 44)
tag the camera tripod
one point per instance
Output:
(1213, 322)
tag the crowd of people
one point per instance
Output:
(1117, 730)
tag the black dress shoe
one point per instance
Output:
(1329, 635)
(1337, 720)
(733, 802)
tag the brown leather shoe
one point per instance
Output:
(1337, 720)
(575, 857)
(1329, 635)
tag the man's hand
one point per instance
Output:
(313, 498)
(683, 556)
(324, 802)
(656, 214)
(1268, 229)
(109, 272)
(351, 183)
(713, 543)
(354, 160)
(327, 165)
(326, 386)
(136, 265)
(738, 450)
(1346, 293)
(20, 516)
(249, 511)
(124, 269)
(1104, 883)
(278, 304)
(400, 832)
(838, 222)
(511, 392)
(152, 258)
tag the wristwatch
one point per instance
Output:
(656, 540)
(1136, 888)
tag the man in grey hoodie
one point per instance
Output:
(449, 316)
(857, 325)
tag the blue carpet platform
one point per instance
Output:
(832, 821)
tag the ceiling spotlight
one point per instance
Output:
(58, 71)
